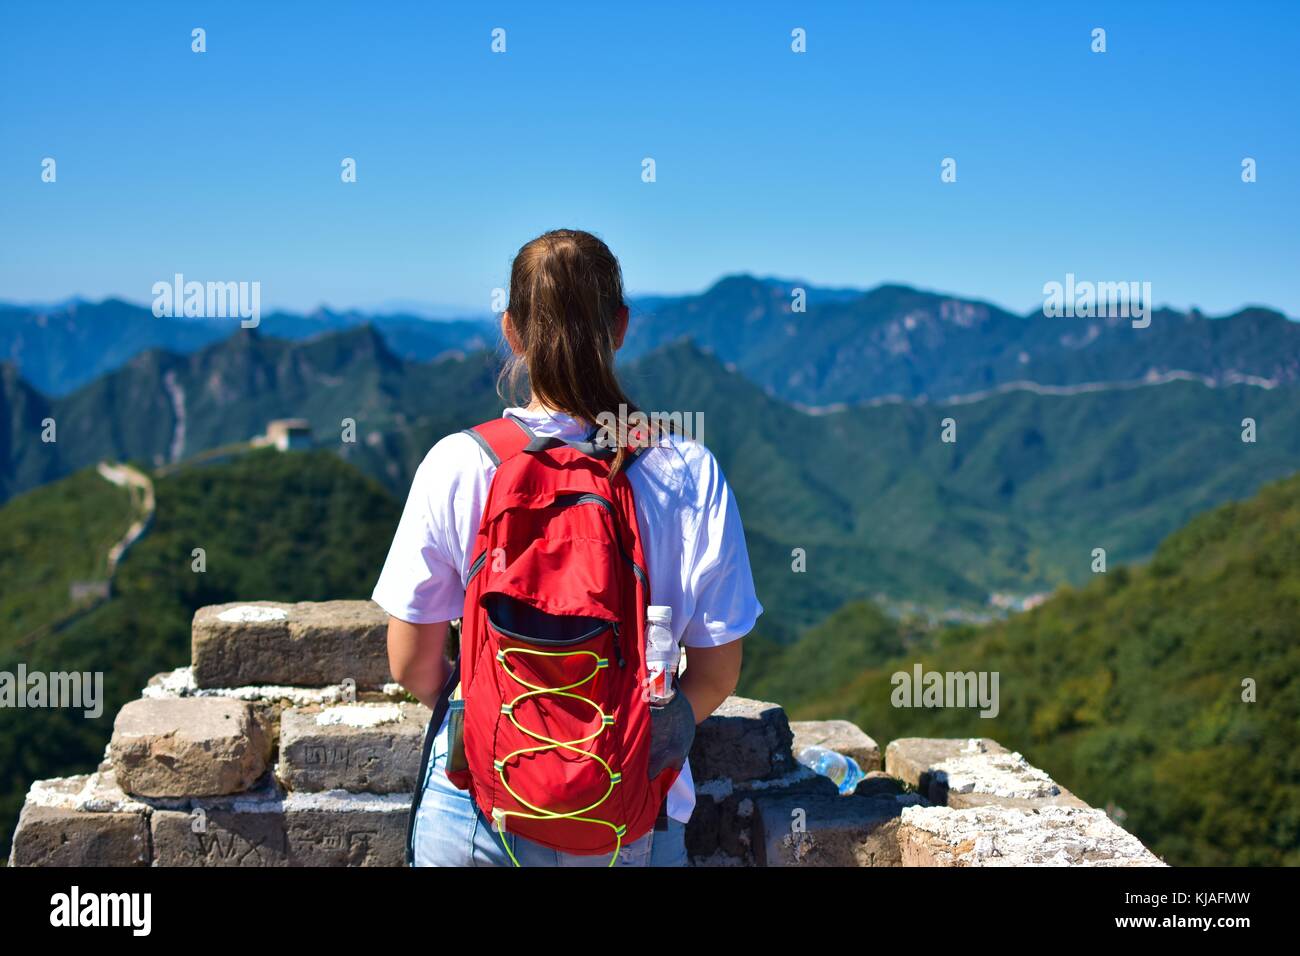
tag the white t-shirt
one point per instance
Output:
(690, 532)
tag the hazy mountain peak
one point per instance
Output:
(740, 282)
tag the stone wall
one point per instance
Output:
(287, 744)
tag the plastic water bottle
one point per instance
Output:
(661, 654)
(842, 771)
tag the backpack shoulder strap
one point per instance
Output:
(449, 687)
(501, 438)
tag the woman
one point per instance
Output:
(565, 319)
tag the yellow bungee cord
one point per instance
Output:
(547, 743)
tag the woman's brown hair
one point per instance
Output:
(566, 303)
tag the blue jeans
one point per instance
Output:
(450, 830)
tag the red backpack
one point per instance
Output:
(556, 724)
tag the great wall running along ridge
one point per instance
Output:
(286, 743)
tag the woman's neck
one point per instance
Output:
(542, 408)
(534, 405)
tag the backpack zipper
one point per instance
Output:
(618, 650)
(547, 641)
(584, 498)
(613, 625)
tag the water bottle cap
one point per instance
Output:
(659, 613)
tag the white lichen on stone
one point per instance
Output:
(1048, 836)
(252, 804)
(344, 801)
(249, 614)
(718, 858)
(298, 696)
(718, 789)
(180, 683)
(359, 715)
(798, 775)
(177, 683)
(996, 774)
(801, 844)
(89, 793)
(56, 792)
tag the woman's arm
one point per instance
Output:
(710, 676)
(415, 657)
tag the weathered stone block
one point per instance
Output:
(910, 758)
(305, 644)
(840, 736)
(227, 839)
(183, 747)
(702, 832)
(1007, 836)
(721, 828)
(363, 747)
(336, 828)
(240, 831)
(80, 821)
(825, 829)
(736, 827)
(973, 772)
(743, 740)
(269, 700)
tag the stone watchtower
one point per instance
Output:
(288, 434)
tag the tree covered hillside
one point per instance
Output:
(882, 506)
(1129, 690)
(49, 539)
(281, 527)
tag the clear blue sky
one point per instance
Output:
(823, 166)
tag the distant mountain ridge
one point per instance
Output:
(896, 342)
(850, 346)
(62, 348)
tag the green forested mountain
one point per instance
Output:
(25, 461)
(1130, 690)
(283, 527)
(163, 407)
(1032, 484)
(49, 539)
(882, 507)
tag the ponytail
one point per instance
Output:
(566, 298)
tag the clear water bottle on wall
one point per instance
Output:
(842, 771)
